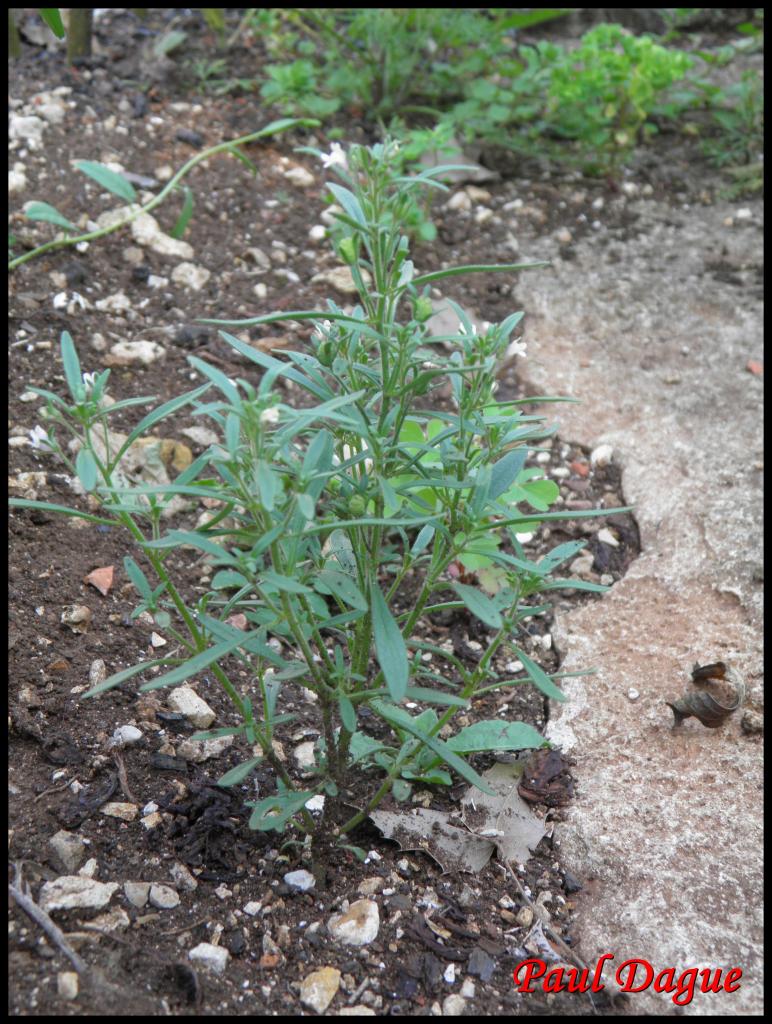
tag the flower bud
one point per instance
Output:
(357, 505)
(423, 309)
(348, 250)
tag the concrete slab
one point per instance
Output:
(666, 831)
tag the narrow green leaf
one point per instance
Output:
(427, 696)
(185, 214)
(87, 470)
(197, 664)
(267, 484)
(218, 378)
(539, 677)
(285, 583)
(44, 211)
(47, 506)
(495, 735)
(437, 275)
(402, 720)
(328, 581)
(120, 677)
(389, 645)
(111, 180)
(504, 472)
(137, 577)
(239, 773)
(349, 202)
(228, 579)
(53, 19)
(71, 365)
(347, 713)
(479, 605)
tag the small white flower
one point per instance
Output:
(516, 348)
(269, 417)
(463, 330)
(322, 330)
(39, 438)
(89, 379)
(336, 157)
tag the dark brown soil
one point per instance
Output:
(57, 739)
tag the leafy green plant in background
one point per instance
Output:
(383, 62)
(338, 526)
(588, 105)
(119, 185)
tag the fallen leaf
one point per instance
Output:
(506, 816)
(101, 579)
(755, 367)
(238, 621)
(451, 846)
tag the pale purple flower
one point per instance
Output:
(39, 438)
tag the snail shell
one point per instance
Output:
(711, 708)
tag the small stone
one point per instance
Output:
(67, 984)
(156, 640)
(602, 455)
(199, 751)
(126, 735)
(300, 176)
(752, 722)
(317, 233)
(135, 353)
(483, 215)
(89, 869)
(301, 880)
(369, 886)
(633, 694)
(97, 672)
(481, 965)
(137, 893)
(214, 957)
(124, 811)
(524, 917)
(146, 231)
(185, 701)
(182, 877)
(459, 201)
(253, 908)
(319, 988)
(582, 566)
(356, 1011)
(164, 897)
(116, 303)
(69, 849)
(564, 236)
(468, 988)
(607, 537)
(73, 892)
(191, 276)
(340, 278)
(304, 754)
(743, 214)
(453, 1006)
(77, 617)
(152, 820)
(358, 926)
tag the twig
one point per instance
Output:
(564, 948)
(40, 917)
(122, 777)
(48, 792)
(186, 928)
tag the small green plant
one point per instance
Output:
(384, 62)
(120, 186)
(738, 120)
(588, 106)
(338, 526)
